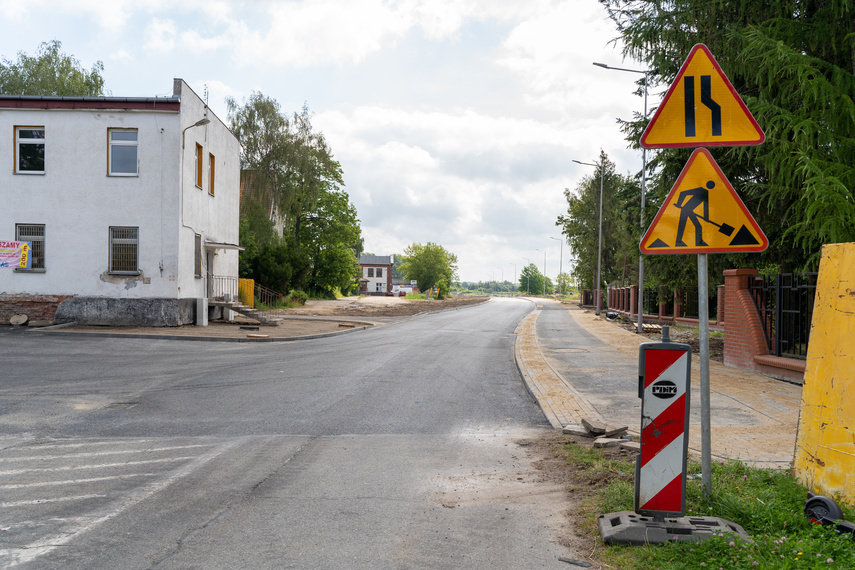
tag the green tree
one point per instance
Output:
(531, 280)
(793, 63)
(291, 179)
(50, 72)
(621, 197)
(330, 235)
(429, 264)
(564, 283)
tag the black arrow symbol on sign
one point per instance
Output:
(706, 99)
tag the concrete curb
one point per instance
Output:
(192, 338)
(559, 401)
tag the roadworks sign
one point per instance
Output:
(703, 214)
(701, 108)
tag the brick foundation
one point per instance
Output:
(40, 309)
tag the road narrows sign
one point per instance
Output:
(701, 108)
(703, 214)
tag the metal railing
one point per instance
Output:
(651, 301)
(689, 302)
(221, 288)
(785, 303)
(266, 298)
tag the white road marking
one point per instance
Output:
(93, 466)
(100, 453)
(54, 500)
(29, 552)
(76, 481)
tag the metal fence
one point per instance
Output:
(785, 303)
(222, 288)
(651, 301)
(689, 302)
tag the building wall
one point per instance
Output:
(215, 217)
(385, 281)
(77, 201)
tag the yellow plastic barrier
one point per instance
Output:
(825, 446)
(246, 292)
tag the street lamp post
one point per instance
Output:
(560, 265)
(544, 270)
(528, 279)
(600, 244)
(643, 188)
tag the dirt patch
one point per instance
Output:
(581, 485)
(379, 306)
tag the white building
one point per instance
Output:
(131, 205)
(376, 274)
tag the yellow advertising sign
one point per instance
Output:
(701, 108)
(703, 214)
(15, 254)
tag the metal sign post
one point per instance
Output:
(704, 349)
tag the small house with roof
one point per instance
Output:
(376, 274)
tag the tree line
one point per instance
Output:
(793, 63)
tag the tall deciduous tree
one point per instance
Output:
(290, 177)
(429, 264)
(793, 63)
(50, 72)
(621, 229)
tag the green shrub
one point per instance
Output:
(297, 298)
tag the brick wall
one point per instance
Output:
(744, 339)
(743, 333)
(41, 309)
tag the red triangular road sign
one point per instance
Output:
(703, 214)
(701, 108)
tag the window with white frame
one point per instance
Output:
(124, 250)
(378, 287)
(30, 150)
(35, 234)
(122, 154)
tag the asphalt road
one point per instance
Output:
(396, 447)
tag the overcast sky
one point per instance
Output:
(455, 121)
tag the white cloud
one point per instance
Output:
(13, 10)
(160, 35)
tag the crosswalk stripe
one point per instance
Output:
(94, 466)
(53, 500)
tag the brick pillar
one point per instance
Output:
(678, 303)
(633, 300)
(743, 330)
(722, 300)
(663, 307)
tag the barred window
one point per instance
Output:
(371, 272)
(123, 152)
(124, 249)
(35, 234)
(30, 150)
(379, 272)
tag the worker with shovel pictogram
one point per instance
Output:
(688, 202)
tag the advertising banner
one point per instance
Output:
(15, 254)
